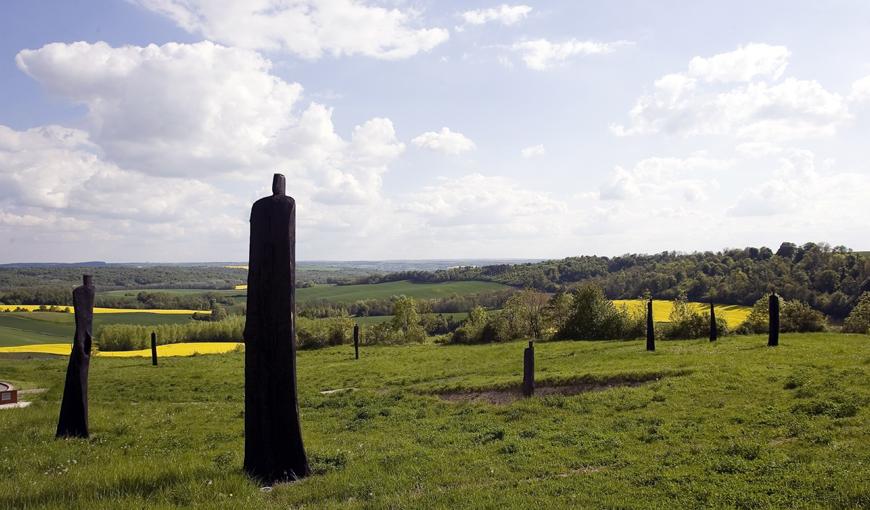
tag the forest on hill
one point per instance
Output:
(830, 279)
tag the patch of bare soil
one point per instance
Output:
(542, 389)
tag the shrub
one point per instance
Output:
(125, 337)
(687, 323)
(314, 333)
(594, 317)
(310, 333)
(858, 320)
(794, 317)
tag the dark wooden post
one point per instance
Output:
(714, 330)
(73, 421)
(154, 348)
(650, 327)
(273, 435)
(773, 321)
(356, 341)
(529, 370)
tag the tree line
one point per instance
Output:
(828, 279)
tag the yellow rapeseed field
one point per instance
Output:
(734, 315)
(69, 309)
(168, 350)
(241, 287)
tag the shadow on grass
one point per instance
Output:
(564, 386)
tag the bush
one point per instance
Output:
(794, 317)
(310, 333)
(471, 330)
(594, 317)
(687, 323)
(125, 337)
(858, 320)
(314, 333)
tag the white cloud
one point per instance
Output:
(180, 139)
(666, 180)
(861, 90)
(446, 141)
(53, 173)
(533, 151)
(742, 65)
(541, 54)
(695, 102)
(191, 109)
(486, 209)
(307, 28)
(504, 14)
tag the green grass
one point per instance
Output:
(346, 293)
(176, 292)
(24, 328)
(745, 426)
(351, 293)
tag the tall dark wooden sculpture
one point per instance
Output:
(714, 330)
(273, 436)
(356, 341)
(650, 327)
(73, 421)
(529, 370)
(154, 348)
(773, 321)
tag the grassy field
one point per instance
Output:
(347, 293)
(351, 293)
(23, 328)
(725, 424)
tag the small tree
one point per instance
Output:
(858, 320)
(406, 319)
(218, 312)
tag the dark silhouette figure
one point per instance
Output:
(529, 369)
(650, 327)
(273, 436)
(714, 330)
(154, 348)
(73, 421)
(356, 341)
(773, 321)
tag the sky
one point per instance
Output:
(143, 130)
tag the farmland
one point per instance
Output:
(734, 315)
(20, 328)
(725, 424)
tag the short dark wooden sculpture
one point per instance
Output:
(773, 321)
(273, 436)
(650, 327)
(529, 370)
(154, 348)
(73, 421)
(356, 341)
(714, 330)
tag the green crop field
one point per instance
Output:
(726, 424)
(24, 328)
(351, 293)
(176, 292)
(346, 293)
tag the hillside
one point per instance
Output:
(828, 279)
